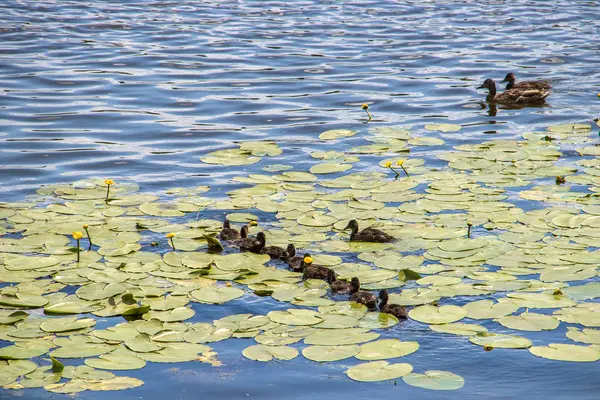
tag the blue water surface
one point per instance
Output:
(142, 89)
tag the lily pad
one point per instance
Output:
(378, 371)
(435, 380)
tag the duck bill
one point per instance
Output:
(503, 80)
(347, 227)
(481, 87)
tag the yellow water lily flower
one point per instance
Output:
(77, 235)
(170, 235)
(252, 223)
(365, 106)
(387, 164)
(109, 182)
(308, 260)
(400, 162)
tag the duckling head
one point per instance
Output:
(290, 251)
(244, 232)
(355, 283)
(226, 224)
(383, 297)
(262, 239)
(331, 276)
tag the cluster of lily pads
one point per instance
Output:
(458, 236)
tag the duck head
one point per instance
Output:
(289, 252)
(352, 225)
(383, 298)
(489, 84)
(510, 78)
(355, 283)
(331, 277)
(261, 239)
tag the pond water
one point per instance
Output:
(142, 90)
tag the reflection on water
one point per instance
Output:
(142, 89)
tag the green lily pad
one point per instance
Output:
(378, 371)
(501, 341)
(529, 322)
(437, 315)
(216, 295)
(120, 359)
(330, 353)
(566, 352)
(386, 348)
(435, 380)
(261, 352)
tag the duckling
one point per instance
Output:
(514, 96)
(512, 84)
(297, 264)
(250, 244)
(227, 233)
(312, 271)
(276, 251)
(345, 287)
(289, 253)
(368, 234)
(396, 310)
(364, 297)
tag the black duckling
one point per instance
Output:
(276, 251)
(513, 84)
(227, 233)
(367, 234)
(396, 310)
(363, 297)
(514, 96)
(345, 287)
(246, 243)
(297, 264)
(289, 253)
(312, 271)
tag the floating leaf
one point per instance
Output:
(261, 352)
(566, 352)
(378, 371)
(435, 380)
(500, 341)
(330, 353)
(386, 348)
(437, 315)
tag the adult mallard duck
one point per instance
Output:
(276, 251)
(227, 233)
(364, 297)
(514, 96)
(367, 234)
(312, 271)
(396, 310)
(345, 287)
(511, 79)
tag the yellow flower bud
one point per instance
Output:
(488, 348)
(400, 162)
(387, 164)
(109, 182)
(85, 226)
(366, 106)
(252, 223)
(77, 235)
(170, 235)
(308, 260)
